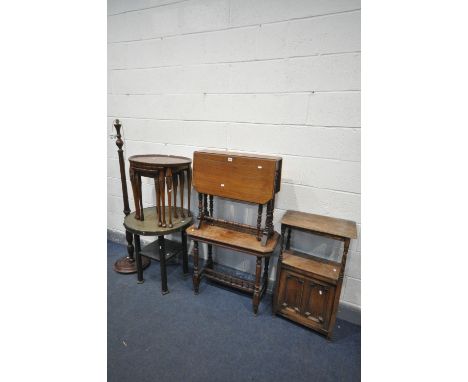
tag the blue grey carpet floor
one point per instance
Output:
(213, 336)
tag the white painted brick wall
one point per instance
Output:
(270, 76)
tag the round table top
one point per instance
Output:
(149, 226)
(160, 160)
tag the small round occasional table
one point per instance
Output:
(150, 227)
(168, 172)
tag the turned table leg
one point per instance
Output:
(138, 259)
(162, 194)
(189, 188)
(205, 205)
(130, 247)
(209, 263)
(196, 280)
(200, 210)
(184, 253)
(339, 285)
(265, 274)
(169, 194)
(256, 295)
(278, 270)
(175, 183)
(140, 197)
(158, 200)
(182, 183)
(259, 222)
(133, 180)
(288, 239)
(162, 264)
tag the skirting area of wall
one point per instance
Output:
(346, 311)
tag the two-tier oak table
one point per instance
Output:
(163, 249)
(169, 172)
(308, 288)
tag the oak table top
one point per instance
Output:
(149, 226)
(319, 223)
(159, 160)
(229, 238)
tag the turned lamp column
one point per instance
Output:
(125, 265)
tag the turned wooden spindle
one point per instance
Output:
(140, 196)
(200, 209)
(211, 205)
(162, 194)
(265, 272)
(189, 188)
(259, 222)
(256, 293)
(196, 278)
(175, 184)
(205, 205)
(209, 262)
(345, 256)
(169, 194)
(282, 242)
(269, 221)
(182, 183)
(288, 239)
(158, 199)
(269, 215)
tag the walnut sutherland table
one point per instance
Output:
(246, 178)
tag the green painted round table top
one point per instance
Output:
(149, 226)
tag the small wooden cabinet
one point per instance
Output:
(308, 288)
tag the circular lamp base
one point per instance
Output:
(126, 265)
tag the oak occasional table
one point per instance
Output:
(168, 172)
(171, 175)
(162, 249)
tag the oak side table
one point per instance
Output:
(163, 249)
(307, 287)
(170, 171)
(166, 170)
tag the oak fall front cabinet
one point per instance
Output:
(308, 288)
(305, 299)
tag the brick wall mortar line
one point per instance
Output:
(237, 27)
